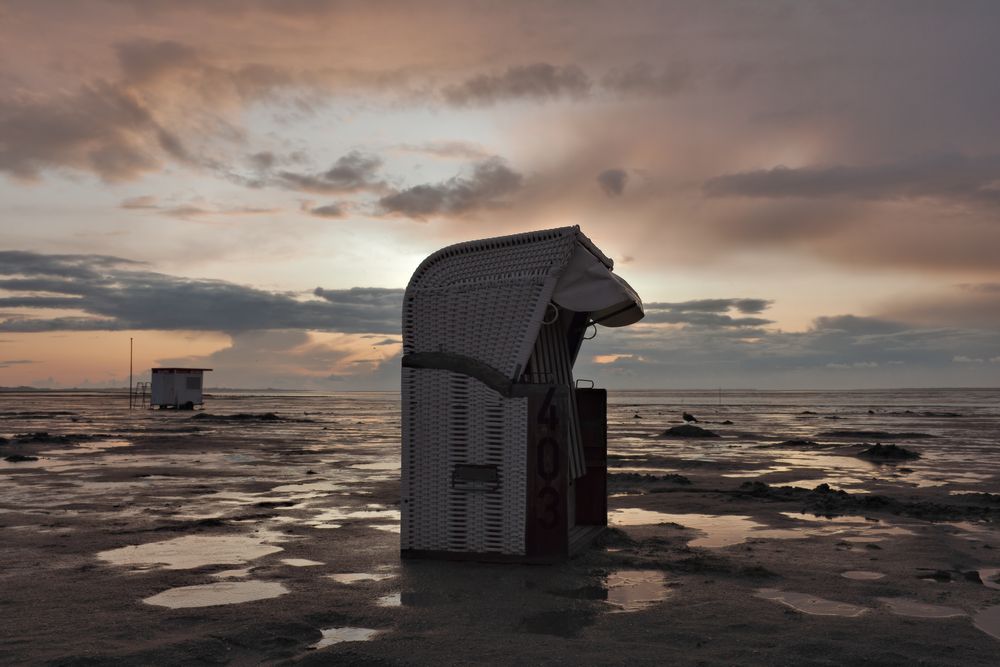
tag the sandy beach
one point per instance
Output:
(264, 529)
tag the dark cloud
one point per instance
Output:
(747, 306)
(7, 363)
(143, 60)
(953, 177)
(100, 128)
(539, 81)
(328, 211)
(112, 295)
(613, 181)
(852, 324)
(708, 313)
(642, 79)
(488, 186)
(353, 172)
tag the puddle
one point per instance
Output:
(339, 514)
(990, 578)
(300, 562)
(904, 607)
(308, 486)
(635, 590)
(718, 530)
(193, 551)
(379, 465)
(232, 574)
(354, 577)
(390, 600)
(337, 635)
(988, 620)
(211, 595)
(977, 532)
(862, 575)
(809, 604)
(388, 529)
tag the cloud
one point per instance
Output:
(854, 325)
(328, 211)
(613, 181)
(488, 186)
(100, 128)
(962, 359)
(353, 172)
(538, 82)
(951, 177)
(141, 202)
(449, 150)
(110, 294)
(7, 363)
(708, 313)
(641, 79)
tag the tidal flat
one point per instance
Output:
(264, 529)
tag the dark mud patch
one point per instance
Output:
(688, 431)
(249, 417)
(19, 458)
(563, 623)
(874, 435)
(880, 452)
(633, 477)
(824, 499)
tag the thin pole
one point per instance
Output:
(130, 373)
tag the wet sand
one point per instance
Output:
(159, 538)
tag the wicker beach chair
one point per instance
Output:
(495, 463)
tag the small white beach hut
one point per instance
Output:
(503, 457)
(179, 388)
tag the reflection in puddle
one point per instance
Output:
(862, 575)
(809, 604)
(977, 532)
(300, 562)
(904, 607)
(232, 574)
(988, 620)
(394, 528)
(390, 600)
(310, 486)
(210, 595)
(337, 635)
(990, 577)
(726, 530)
(378, 465)
(354, 577)
(634, 590)
(192, 551)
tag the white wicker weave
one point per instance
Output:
(483, 301)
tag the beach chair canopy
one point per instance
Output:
(484, 302)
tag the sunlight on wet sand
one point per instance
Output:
(635, 590)
(337, 635)
(211, 595)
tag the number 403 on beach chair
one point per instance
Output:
(504, 457)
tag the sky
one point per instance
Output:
(806, 195)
